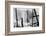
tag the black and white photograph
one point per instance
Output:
(26, 17)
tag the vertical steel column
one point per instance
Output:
(22, 22)
(16, 17)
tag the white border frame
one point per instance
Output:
(25, 28)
